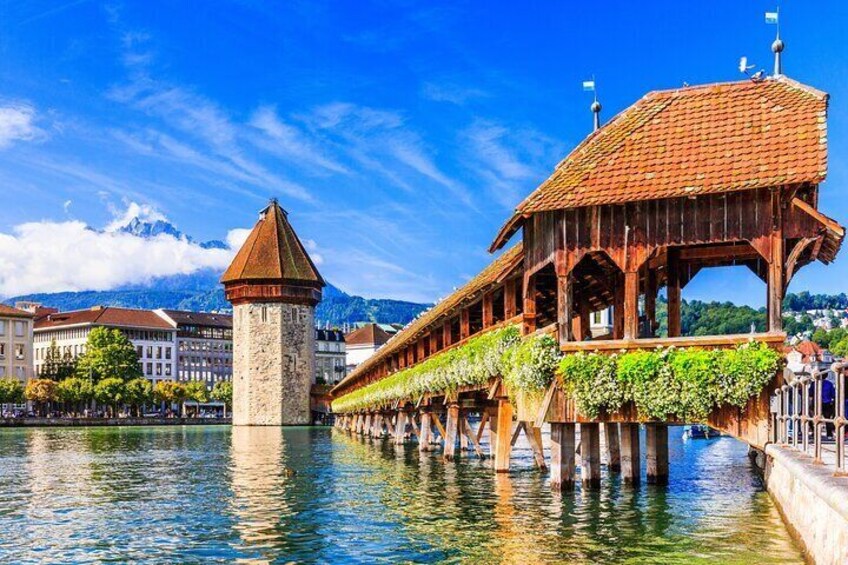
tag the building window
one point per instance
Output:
(596, 318)
(150, 368)
(150, 352)
(2, 371)
(2, 350)
(19, 329)
(2, 327)
(158, 369)
(264, 314)
(167, 370)
(19, 352)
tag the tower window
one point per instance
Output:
(264, 314)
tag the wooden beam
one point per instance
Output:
(438, 423)
(673, 291)
(426, 433)
(534, 436)
(488, 310)
(618, 308)
(468, 430)
(631, 305)
(562, 456)
(775, 285)
(400, 428)
(590, 455)
(656, 445)
(452, 431)
(464, 323)
(446, 334)
(565, 309)
(651, 288)
(613, 448)
(510, 306)
(630, 455)
(484, 418)
(504, 436)
(529, 314)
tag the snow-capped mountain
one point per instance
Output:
(145, 229)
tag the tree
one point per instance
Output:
(223, 392)
(57, 366)
(108, 354)
(169, 392)
(138, 392)
(110, 391)
(74, 392)
(41, 392)
(196, 391)
(840, 348)
(11, 391)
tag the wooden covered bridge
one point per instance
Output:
(683, 180)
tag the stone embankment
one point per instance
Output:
(73, 422)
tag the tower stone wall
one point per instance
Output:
(273, 363)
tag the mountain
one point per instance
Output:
(201, 291)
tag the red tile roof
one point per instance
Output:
(14, 312)
(104, 316)
(807, 349)
(690, 141)
(369, 334)
(273, 252)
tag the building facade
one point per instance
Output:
(330, 357)
(16, 343)
(154, 339)
(362, 343)
(204, 346)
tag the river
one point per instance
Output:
(316, 495)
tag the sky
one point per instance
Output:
(398, 135)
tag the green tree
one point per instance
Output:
(74, 392)
(11, 391)
(57, 366)
(138, 392)
(108, 354)
(223, 392)
(169, 392)
(196, 392)
(41, 392)
(110, 391)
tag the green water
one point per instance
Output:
(257, 495)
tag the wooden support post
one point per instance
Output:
(463, 435)
(590, 455)
(656, 445)
(774, 301)
(493, 429)
(534, 437)
(464, 323)
(529, 325)
(504, 436)
(562, 456)
(377, 426)
(426, 432)
(565, 308)
(367, 426)
(613, 453)
(510, 307)
(434, 343)
(421, 349)
(438, 423)
(673, 291)
(488, 310)
(451, 431)
(470, 436)
(631, 305)
(446, 334)
(630, 454)
(651, 302)
(400, 428)
(618, 308)
(580, 323)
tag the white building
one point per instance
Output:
(330, 356)
(154, 338)
(204, 345)
(361, 344)
(16, 357)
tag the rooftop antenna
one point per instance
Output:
(589, 86)
(778, 45)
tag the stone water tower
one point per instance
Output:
(273, 287)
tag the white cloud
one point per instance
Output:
(312, 249)
(67, 206)
(51, 256)
(17, 123)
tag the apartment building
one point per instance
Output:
(204, 345)
(329, 356)
(16, 343)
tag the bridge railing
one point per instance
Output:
(804, 422)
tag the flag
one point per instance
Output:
(589, 85)
(771, 17)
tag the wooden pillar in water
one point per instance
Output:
(503, 447)
(590, 455)
(534, 437)
(656, 445)
(630, 454)
(562, 456)
(673, 291)
(613, 452)
(463, 436)
(400, 427)
(367, 425)
(493, 430)
(451, 431)
(426, 432)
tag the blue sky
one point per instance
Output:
(398, 135)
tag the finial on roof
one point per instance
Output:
(778, 45)
(589, 85)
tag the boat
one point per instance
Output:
(699, 431)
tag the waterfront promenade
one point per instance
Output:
(100, 422)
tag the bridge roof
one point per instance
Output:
(273, 252)
(495, 272)
(690, 141)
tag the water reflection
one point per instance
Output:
(306, 495)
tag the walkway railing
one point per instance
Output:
(804, 422)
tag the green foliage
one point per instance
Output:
(828, 339)
(794, 327)
(840, 348)
(11, 391)
(138, 391)
(169, 391)
(668, 383)
(528, 366)
(74, 390)
(223, 392)
(40, 391)
(110, 391)
(805, 301)
(108, 354)
(473, 363)
(57, 366)
(196, 391)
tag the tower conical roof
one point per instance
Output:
(273, 253)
